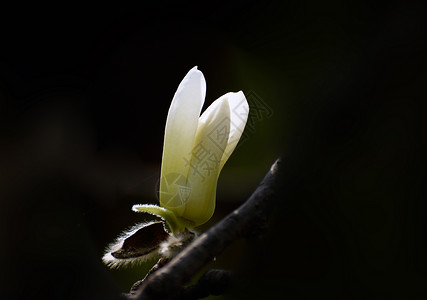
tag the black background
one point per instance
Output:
(84, 94)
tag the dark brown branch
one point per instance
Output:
(168, 281)
(138, 285)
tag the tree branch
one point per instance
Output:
(249, 219)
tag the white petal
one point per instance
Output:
(210, 143)
(181, 126)
(239, 111)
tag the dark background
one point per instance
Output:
(337, 89)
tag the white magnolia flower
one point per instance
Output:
(195, 150)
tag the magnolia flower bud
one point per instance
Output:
(195, 150)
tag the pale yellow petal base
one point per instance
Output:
(176, 224)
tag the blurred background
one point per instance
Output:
(336, 89)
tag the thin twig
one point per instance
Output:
(138, 285)
(166, 282)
